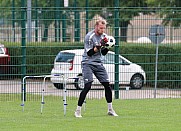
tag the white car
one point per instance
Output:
(68, 64)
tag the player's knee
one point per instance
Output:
(87, 87)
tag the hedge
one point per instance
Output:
(169, 62)
(40, 58)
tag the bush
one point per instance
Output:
(40, 58)
(169, 62)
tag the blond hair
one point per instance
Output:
(101, 20)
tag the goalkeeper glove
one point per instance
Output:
(103, 41)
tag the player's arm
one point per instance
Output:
(104, 50)
(98, 47)
(91, 52)
(94, 50)
(89, 46)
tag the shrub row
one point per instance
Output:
(168, 66)
(40, 57)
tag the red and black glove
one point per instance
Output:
(104, 41)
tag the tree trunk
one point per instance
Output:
(45, 34)
(123, 30)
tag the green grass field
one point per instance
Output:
(134, 115)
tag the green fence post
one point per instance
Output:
(57, 20)
(61, 12)
(55, 12)
(87, 16)
(23, 43)
(13, 19)
(77, 26)
(116, 11)
(36, 21)
(64, 26)
(77, 22)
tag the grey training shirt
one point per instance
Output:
(91, 39)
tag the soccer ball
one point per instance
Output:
(111, 42)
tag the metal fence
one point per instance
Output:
(34, 35)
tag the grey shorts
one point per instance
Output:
(98, 70)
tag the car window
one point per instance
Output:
(109, 59)
(64, 57)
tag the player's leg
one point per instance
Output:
(102, 76)
(108, 92)
(82, 97)
(83, 93)
(88, 78)
(108, 95)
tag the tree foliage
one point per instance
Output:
(105, 8)
(127, 10)
(169, 10)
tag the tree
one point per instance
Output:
(46, 10)
(127, 10)
(102, 7)
(169, 10)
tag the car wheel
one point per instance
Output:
(79, 83)
(58, 85)
(136, 81)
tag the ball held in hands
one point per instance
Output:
(107, 42)
(111, 42)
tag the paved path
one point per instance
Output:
(97, 92)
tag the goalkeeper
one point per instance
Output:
(94, 47)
